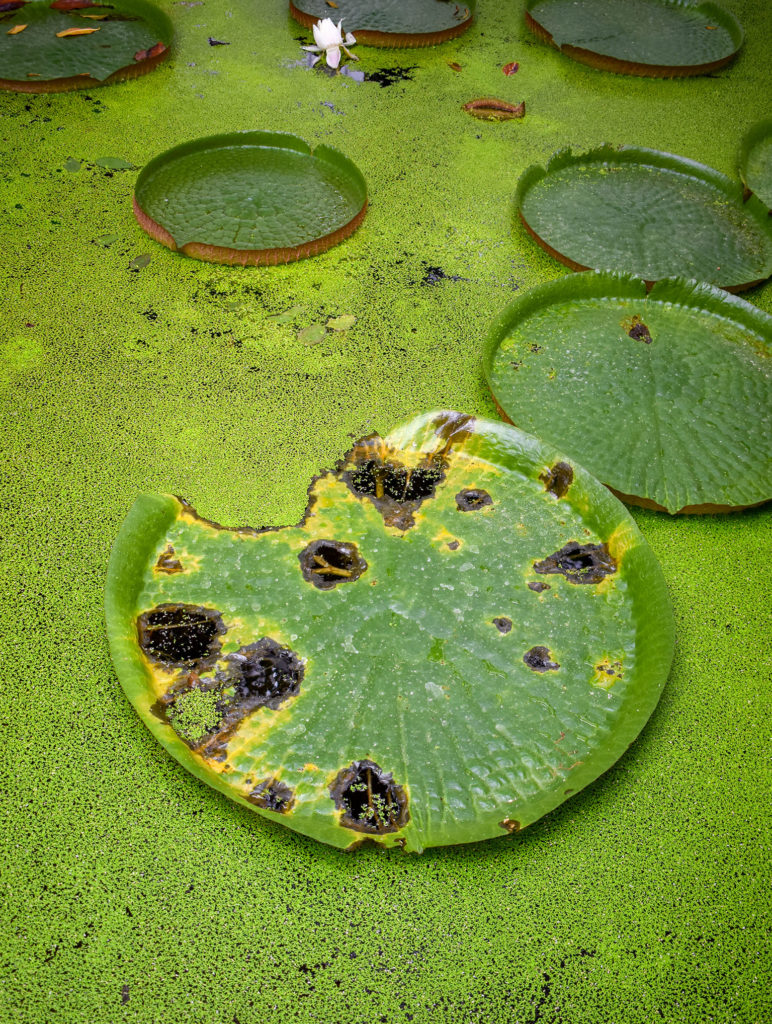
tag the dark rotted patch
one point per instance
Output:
(538, 586)
(262, 674)
(579, 563)
(396, 491)
(454, 545)
(503, 624)
(272, 795)
(390, 76)
(510, 825)
(181, 635)
(558, 479)
(539, 659)
(168, 562)
(472, 498)
(370, 799)
(326, 563)
(637, 329)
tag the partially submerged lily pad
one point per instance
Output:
(250, 198)
(464, 629)
(666, 398)
(756, 161)
(391, 22)
(643, 212)
(655, 38)
(65, 48)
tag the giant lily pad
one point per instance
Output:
(756, 161)
(657, 38)
(647, 213)
(666, 398)
(77, 45)
(464, 629)
(250, 198)
(391, 22)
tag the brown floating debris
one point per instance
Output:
(512, 68)
(454, 66)
(15, 30)
(76, 32)
(488, 108)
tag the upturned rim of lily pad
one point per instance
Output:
(139, 66)
(392, 40)
(232, 256)
(700, 298)
(761, 131)
(608, 154)
(620, 66)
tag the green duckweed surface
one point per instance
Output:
(134, 893)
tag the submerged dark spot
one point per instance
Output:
(539, 659)
(370, 799)
(433, 275)
(272, 795)
(538, 586)
(580, 563)
(503, 624)
(390, 76)
(558, 479)
(168, 563)
(263, 674)
(181, 635)
(326, 563)
(454, 545)
(471, 499)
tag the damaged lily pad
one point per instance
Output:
(66, 46)
(667, 398)
(250, 198)
(422, 660)
(643, 212)
(756, 161)
(655, 38)
(391, 22)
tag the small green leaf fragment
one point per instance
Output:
(286, 316)
(72, 165)
(114, 163)
(342, 323)
(312, 335)
(107, 239)
(140, 261)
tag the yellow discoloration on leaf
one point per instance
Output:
(76, 32)
(249, 736)
(444, 537)
(309, 767)
(607, 672)
(621, 541)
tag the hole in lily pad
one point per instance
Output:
(326, 563)
(540, 660)
(558, 479)
(370, 799)
(181, 635)
(472, 499)
(263, 674)
(272, 795)
(580, 563)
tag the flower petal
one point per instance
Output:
(333, 56)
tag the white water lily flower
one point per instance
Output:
(330, 41)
